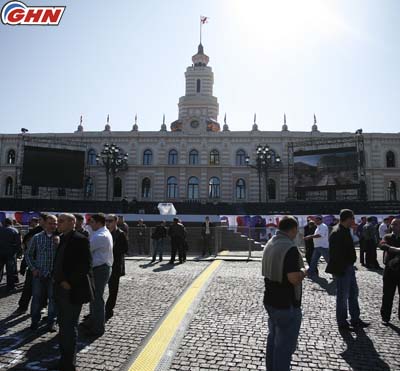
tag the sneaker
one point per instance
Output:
(153, 260)
(51, 327)
(344, 327)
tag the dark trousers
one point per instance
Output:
(26, 291)
(207, 244)
(371, 257)
(68, 318)
(141, 243)
(113, 285)
(362, 251)
(40, 286)
(177, 246)
(9, 262)
(391, 281)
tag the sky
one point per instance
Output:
(338, 59)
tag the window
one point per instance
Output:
(91, 157)
(214, 157)
(146, 188)
(214, 188)
(193, 188)
(240, 158)
(172, 157)
(89, 187)
(11, 157)
(147, 157)
(392, 190)
(193, 157)
(34, 190)
(271, 190)
(9, 186)
(198, 85)
(390, 159)
(117, 189)
(172, 187)
(240, 189)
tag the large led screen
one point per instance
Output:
(324, 169)
(50, 167)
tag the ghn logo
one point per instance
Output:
(16, 13)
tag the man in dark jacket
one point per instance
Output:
(391, 274)
(120, 248)
(371, 238)
(309, 230)
(141, 231)
(159, 235)
(341, 265)
(177, 233)
(73, 286)
(10, 245)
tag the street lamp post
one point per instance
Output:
(266, 158)
(113, 160)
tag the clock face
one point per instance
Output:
(194, 124)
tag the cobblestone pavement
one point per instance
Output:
(228, 331)
(146, 294)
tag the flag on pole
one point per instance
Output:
(108, 119)
(203, 19)
(136, 118)
(255, 118)
(284, 118)
(225, 118)
(315, 119)
(80, 121)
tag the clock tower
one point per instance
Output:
(198, 108)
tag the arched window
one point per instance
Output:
(214, 157)
(214, 188)
(172, 187)
(271, 189)
(88, 187)
(11, 157)
(193, 157)
(392, 191)
(240, 158)
(91, 157)
(117, 189)
(193, 188)
(173, 157)
(9, 190)
(390, 159)
(147, 157)
(198, 85)
(240, 189)
(146, 188)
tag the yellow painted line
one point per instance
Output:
(150, 356)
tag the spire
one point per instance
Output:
(225, 118)
(315, 119)
(255, 126)
(163, 126)
(108, 118)
(315, 126)
(80, 126)
(135, 125)
(255, 118)
(284, 126)
(107, 127)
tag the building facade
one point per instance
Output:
(195, 159)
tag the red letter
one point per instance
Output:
(33, 16)
(52, 16)
(16, 15)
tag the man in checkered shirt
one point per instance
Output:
(40, 259)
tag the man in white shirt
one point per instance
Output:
(384, 228)
(321, 245)
(101, 247)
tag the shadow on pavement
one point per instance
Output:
(164, 267)
(329, 287)
(361, 354)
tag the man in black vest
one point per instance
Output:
(178, 234)
(391, 275)
(120, 248)
(73, 286)
(206, 234)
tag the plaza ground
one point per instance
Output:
(224, 329)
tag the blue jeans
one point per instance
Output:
(158, 247)
(39, 286)
(347, 297)
(101, 275)
(284, 328)
(317, 253)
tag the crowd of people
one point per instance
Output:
(283, 270)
